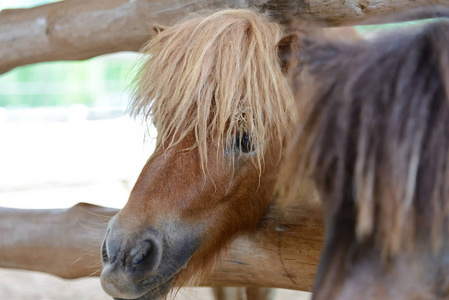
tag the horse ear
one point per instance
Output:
(158, 29)
(286, 47)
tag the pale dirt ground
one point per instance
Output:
(26, 285)
(58, 164)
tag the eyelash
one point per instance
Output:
(243, 143)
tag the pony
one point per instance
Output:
(214, 88)
(373, 137)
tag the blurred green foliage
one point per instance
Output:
(101, 81)
(370, 29)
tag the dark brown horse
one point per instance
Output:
(214, 88)
(374, 137)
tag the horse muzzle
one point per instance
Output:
(142, 264)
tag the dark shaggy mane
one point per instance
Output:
(376, 131)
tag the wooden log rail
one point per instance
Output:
(81, 29)
(282, 253)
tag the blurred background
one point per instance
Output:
(64, 133)
(65, 137)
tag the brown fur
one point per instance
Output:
(374, 137)
(205, 81)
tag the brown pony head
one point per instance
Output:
(374, 137)
(213, 87)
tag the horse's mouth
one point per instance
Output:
(157, 292)
(151, 277)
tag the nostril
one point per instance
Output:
(141, 253)
(104, 253)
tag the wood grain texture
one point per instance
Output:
(282, 253)
(81, 29)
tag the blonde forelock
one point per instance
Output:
(216, 75)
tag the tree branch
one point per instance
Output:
(81, 29)
(282, 253)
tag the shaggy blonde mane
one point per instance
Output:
(216, 75)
